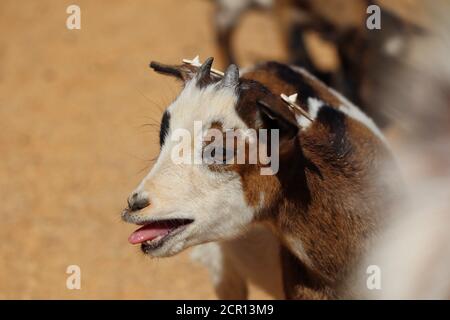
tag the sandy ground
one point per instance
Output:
(73, 145)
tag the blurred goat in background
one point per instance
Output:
(359, 57)
(414, 252)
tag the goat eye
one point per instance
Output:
(225, 157)
(213, 156)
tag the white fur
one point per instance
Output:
(314, 106)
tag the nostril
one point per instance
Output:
(137, 202)
(140, 204)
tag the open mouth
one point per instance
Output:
(153, 234)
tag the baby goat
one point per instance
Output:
(323, 203)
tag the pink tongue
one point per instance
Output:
(146, 233)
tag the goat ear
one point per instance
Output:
(278, 116)
(182, 72)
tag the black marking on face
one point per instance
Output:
(164, 129)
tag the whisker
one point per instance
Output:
(154, 125)
(147, 166)
(157, 105)
(153, 128)
(152, 121)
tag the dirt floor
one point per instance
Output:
(73, 146)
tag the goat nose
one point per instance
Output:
(138, 201)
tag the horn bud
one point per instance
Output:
(204, 72)
(231, 76)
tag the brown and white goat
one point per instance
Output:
(323, 204)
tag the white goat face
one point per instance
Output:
(181, 204)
